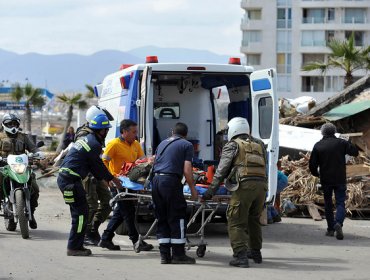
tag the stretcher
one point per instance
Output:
(204, 211)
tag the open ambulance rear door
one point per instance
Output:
(146, 112)
(265, 120)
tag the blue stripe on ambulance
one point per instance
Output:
(261, 84)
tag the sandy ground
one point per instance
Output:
(295, 248)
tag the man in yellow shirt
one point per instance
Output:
(124, 148)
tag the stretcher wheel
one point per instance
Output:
(201, 251)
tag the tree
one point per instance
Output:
(90, 91)
(344, 55)
(32, 98)
(71, 101)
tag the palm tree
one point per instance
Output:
(32, 97)
(90, 91)
(344, 55)
(71, 101)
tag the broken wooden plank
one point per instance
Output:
(314, 212)
(357, 170)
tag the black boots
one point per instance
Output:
(92, 236)
(339, 231)
(141, 245)
(255, 255)
(240, 260)
(165, 250)
(79, 253)
(178, 255)
(106, 242)
(32, 223)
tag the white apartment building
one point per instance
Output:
(286, 34)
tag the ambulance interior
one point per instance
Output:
(203, 101)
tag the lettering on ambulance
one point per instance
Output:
(107, 88)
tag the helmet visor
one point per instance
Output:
(11, 123)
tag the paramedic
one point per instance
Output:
(243, 165)
(12, 141)
(97, 193)
(119, 150)
(82, 158)
(328, 162)
(172, 161)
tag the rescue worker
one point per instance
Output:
(12, 141)
(97, 193)
(124, 148)
(173, 159)
(82, 158)
(328, 161)
(243, 165)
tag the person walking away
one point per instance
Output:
(173, 159)
(123, 149)
(83, 158)
(243, 165)
(69, 137)
(328, 162)
(12, 141)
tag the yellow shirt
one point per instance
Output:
(119, 151)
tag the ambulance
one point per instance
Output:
(204, 96)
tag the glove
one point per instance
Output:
(69, 194)
(208, 194)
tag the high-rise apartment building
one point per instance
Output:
(287, 34)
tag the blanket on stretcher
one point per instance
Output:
(201, 189)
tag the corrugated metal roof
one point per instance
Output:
(347, 110)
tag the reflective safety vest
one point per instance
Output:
(250, 160)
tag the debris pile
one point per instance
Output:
(304, 189)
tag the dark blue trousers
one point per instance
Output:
(79, 211)
(170, 209)
(340, 197)
(123, 212)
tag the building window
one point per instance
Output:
(313, 15)
(284, 63)
(334, 83)
(313, 84)
(331, 14)
(284, 41)
(254, 14)
(284, 84)
(312, 57)
(284, 18)
(359, 37)
(313, 38)
(251, 36)
(253, 59)
(354, 15)
(329, 35)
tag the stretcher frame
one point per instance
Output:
(203, 207)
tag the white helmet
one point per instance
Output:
(95, 110)
(237, 126)
(11, 123)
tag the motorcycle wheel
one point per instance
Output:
(22, 219)
(10, 225)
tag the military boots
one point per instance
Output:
(240, 260)
(255, 255)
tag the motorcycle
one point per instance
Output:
(16, 191)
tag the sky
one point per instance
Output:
(88, 26)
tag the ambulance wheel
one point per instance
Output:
(201, 251)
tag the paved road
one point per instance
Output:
(293, 249)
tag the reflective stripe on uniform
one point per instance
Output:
(70, 171)
(164, 240)
(178, 241)
(80, 223)
(84, 144)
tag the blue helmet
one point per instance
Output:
(99, 122)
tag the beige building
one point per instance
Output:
(286, 34)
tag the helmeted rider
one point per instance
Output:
(12, 141)
(83, 158)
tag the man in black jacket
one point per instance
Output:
(328, 162)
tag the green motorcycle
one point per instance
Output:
(16, 174)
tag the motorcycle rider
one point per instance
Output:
(12, 141)
(83, 158)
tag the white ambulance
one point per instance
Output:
(203, 96)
